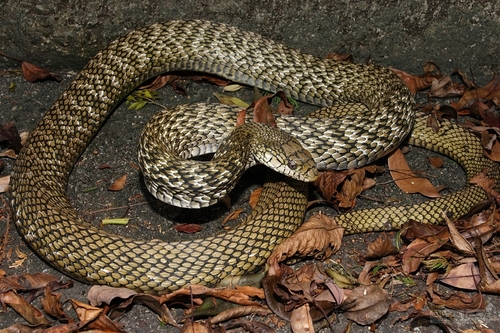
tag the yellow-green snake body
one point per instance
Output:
(50, 225)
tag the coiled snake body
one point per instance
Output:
(51, 226)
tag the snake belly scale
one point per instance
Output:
(53, 229)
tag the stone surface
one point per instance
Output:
(404, 34)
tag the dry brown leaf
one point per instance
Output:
(445, 87)
(221, 82)
(4, 184)
(262, 112)
(366, 304)
(231, 216)
(285, 108)
(457, 300)
(85, 312)
(33, 73)
(26, 282)
(240, 311)
(230, 295)
(341, 188)
(254, 197)
(31, 314)
(491, 145)
(320, 236)
(188, 228)
(486, 183)
(99, 295)
(51, 304)
(301, 320)
(10, 135)
(381, 247)
(414, 82)
(406, 180)
(240, 119)
(242, 325)
(417, 251)
(456, 238)
(490, 91)
(412, 230)
(118, 184)
(101, 324)
(464, 276)
(160, 81)
(436, 161)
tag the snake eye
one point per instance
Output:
(292, 164)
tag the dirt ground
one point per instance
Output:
(116, 145)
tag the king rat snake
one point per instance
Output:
(51, 226)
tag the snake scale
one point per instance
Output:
(53, 229)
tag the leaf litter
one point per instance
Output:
(459, 254)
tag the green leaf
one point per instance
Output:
(123, 221)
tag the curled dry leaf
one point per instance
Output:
(240, 311)
(118, 184)
(85, 312)
(320, 236)
(418, 250)
(406, 180)
(366, 304)
(33, 73)
(490, 91)
(445, 87)
(483, 110)
(490, 137)
(486, 183)
(342, 187)
(491, 145)
(31, 314)
(26, 282)
(381, 247)
(414, 82)
(229, 295)
(51, 304)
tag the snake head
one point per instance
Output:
(283, 153)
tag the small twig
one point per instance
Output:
(10, 57)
